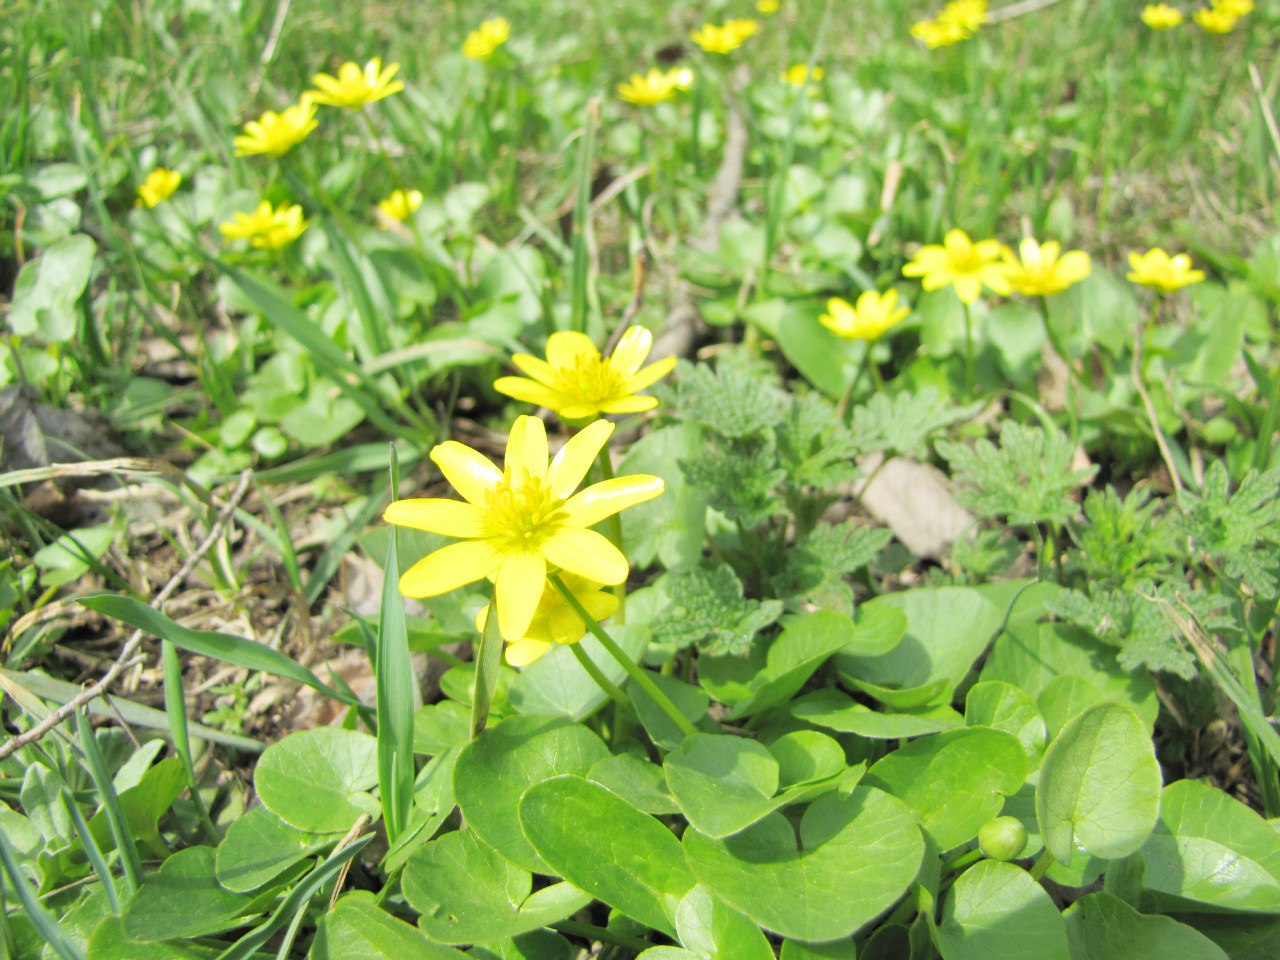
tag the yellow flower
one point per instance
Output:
(512, 523)
(1038, 272)
(356, 88)
(401, 204)
(648, 89)
(575, 383)
(681, 77)
(1237, 8)
(726, 38)
(555, 621)
(798, 73)
(267, 228)
(1159, 271)
(275, 133)
(767, 7)
(969, 15)
(493, 33)
(939, 33)
(1215, 19)
(1161, 16)
(157, 187)
(869, 319)
(961, 262)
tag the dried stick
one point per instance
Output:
(126, 657)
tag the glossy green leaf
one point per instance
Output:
(722, 783)
(396, 689)
(948, 628)
(600, 843)
(710, 929)
(840, 712)
(184, 899)
(110, 941)
(495, 770)
(856, 855)
(824, 359)
(692, 703)
(953, 782)
(1099, 790)
(996, 910)
(259, 846)
(1002, 706)
(468, 893)
(1103, 927)
(1209, 848)
(805, 756)
(358, 929)
(839, 950)
(557, 685)
(318, 780)
(641, 782)
(48, 287)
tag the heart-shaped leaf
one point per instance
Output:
(184, 900)
(1103, 927)
(855, 855)
(840, 712)
(319, 780)
(710, 929)
(994, 703)
(358, 929)
(600, 843)
(996, 910)
(722, 783)
(259, 846)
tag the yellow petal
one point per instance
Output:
(1075, 266)
(451, 518)
(528, 391)
(573, 412)
(449, 568)
(607, 497)
(517, 591)
(524, 652)
(566, 348)
(968, 288)
(629, 405)
(472, 474)
(649, 375)
(586, 553)
(575, 458)
(527, 449)
(531, 366)
(631, 350)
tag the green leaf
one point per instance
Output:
(996, 910)
(467, 893)
(953, 782)
(69, 557)
(948, 628)
(184, 900)
(1240, 530)
(1099, 790)
(824, 359)
(641, 782)
(994, 703)
(1209, 849)
(318, 780)
(856, 855)
(638, 870)
(706, 606)
(671, 527)
(727, 400)
(48, 288)
(488, 665)
(1103, 927)
(710, 929)
(144, 804)
(839, 950)
(690, 701)
(904, 423)
(222, 646)
(840, 712)
(259, 846)
(723, 783)
(110, 941)
(558, 685)
(358, 929)
(496, 768)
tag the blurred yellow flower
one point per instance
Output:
(939, 33)
(512, 523)
(681, 77)
(554, 621)
(869, 319)
(1237, 8)
(157, 187)
(767, 7)
(274, 134)
(725, 38)
(267, 228)
(1161, 16)
(1037, 271)
(493, 33)
(1215, 19)
(798, 73)
(356, 88)
(648, 89)
(577, 384)
(1159, 271)
(400, 204)
(969, 15)
(962, 263)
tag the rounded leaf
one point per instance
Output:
(319, 780)
(996, 910)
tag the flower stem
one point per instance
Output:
(629, 665)
(603, 682)
(968, 350)
(1074, 380)
(615, 534)
(1041, 866)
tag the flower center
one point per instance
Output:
(592, 380)
(523, 512)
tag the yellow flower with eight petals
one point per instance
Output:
(1215, 19)
(1037, 271)
(158, 187)
(1159, 271)
(725, 38)
(356, 88)
(1161, 16)
(962, 263)
(267, 228)
(274, 134)
(796, 74)
(555, 621)
(647, 89)
(481, 43)
(868, 319)
(577, 384)
(513, 523)
(400, 205)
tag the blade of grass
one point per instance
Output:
(394, 674)
(44, 922)
(363, 458)
(96, 859)
(130, 862)
(488, 661)
(175, 705)
(580, 272)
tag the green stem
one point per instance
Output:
(968, 350)
(590, 932)
(1042, 865)
(1074, 380)
(629, 665)
(380, 147)
(615, 535)
(603, 682)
